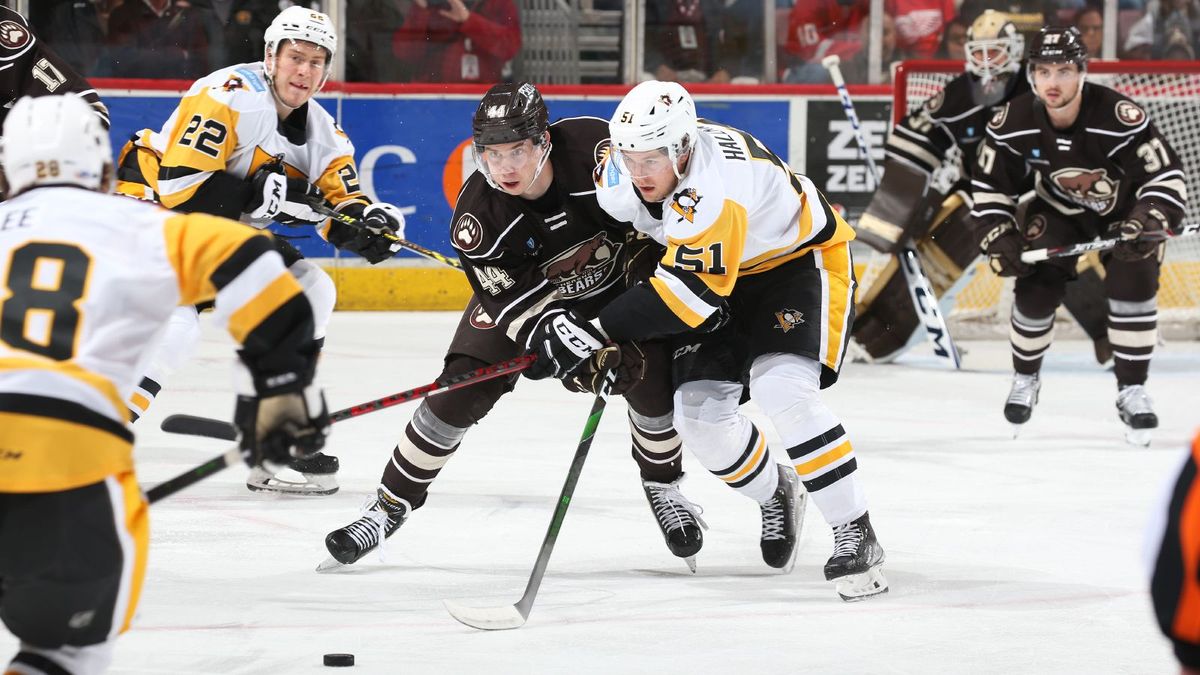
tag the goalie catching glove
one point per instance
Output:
(286, 200)
(563, 342)
(374, 235)
(627, 362)
(285, 418)
(1140, 235)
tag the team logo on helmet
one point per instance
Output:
(1090, 188)
(788, 319)
(480, 319)
(586, 268)
(13, 35)
(684, 203)
(1130, 113)
(468, 233)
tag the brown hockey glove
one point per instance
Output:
(1003, 246)
(627, 361)
(1140, 235)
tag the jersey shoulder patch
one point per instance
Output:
(999, 117)
(1129, 113)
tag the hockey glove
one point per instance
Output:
(285, 200)
(374, 236)
(563, 343)
(627, 361)
(1140, 235)
(284, 419)
(1003, 246)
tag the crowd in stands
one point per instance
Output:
(453, 41)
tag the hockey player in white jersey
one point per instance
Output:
(88, 279)
(249, 142)
(731, 212)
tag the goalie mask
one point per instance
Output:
(1058, 45)
(511, 113)
(652, 116)
(994, 48)
(299, 23)
(55, 140)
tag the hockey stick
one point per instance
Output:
(919, 288)
(233, 455)
(514, 616)
(1040, 254)
(346, 219)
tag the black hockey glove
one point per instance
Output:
(627, 362)
(642, 256)
(1003, 246)
(1140, 235)
(374, 236)
(285, 418)
(285, 200)
(563, 343)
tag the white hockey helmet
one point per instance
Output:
(300, 23)
(994, 46)
(55, 140)
(655, 115)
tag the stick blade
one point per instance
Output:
(194, 425)
(486, 618)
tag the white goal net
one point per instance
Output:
(1170, 92)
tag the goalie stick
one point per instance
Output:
(919, 288)
(514, 616)
(191, 424)
(1040, 254)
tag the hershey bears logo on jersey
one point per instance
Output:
(468, 233)
(997, 120)
(587, 268)
(935, 102)
(684, 203)
(1090, 188)
(1130, 113)
(1035, 228)
(480, 319)
(13, 35)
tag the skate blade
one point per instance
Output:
(1016, 430)
(798, 516)
(328, 565)
(1139, 437)
(691, 563)
(315, 485)
(856, 587)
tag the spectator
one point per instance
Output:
(457, 40)
(856, 68)
(740, 52)
(919, 25)
(818, 29)
(682, 39)
(1140, 41)
(369, 28)
(164, 39)
(243, 23)
(74, 29)
(954, 41)
(1176, 22)
(1090, 24)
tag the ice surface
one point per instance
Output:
(1004, 556)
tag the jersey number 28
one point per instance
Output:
(40, 309)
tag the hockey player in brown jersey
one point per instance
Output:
(30, 67)
(88, 279)
(533, 242)
(756, 286)
(924, 196)
(250, 142)
(1100, 168)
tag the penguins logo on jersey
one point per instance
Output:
(788, 319)
(586, 268)
(1090, 188)
(1129, 113)
(468, 233)
(234, 83)
(13, 35)
(684, 203)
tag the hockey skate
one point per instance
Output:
(782, 519)
(856, 567)
(1134, 407)
(679, 519)
(382, 515)
(1021, 399)
(317, 476)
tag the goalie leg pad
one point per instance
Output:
(894, 216)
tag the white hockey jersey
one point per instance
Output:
(738, 210)
(228, 122)
(87, 280)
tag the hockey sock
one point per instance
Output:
(1133, 332)
(1029, 337)
(722, 439)
(657, 448)
(427, 445)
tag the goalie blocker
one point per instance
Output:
(940, 227)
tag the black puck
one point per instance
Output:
(339, 660)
